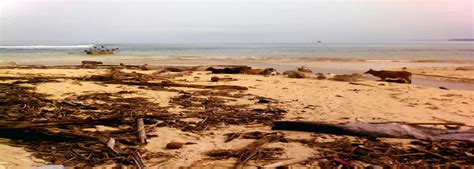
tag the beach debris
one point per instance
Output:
(263, 154)
(214, 112)
(25, 119)
(13, 64)
(247, 135)
(443, 88)
(176, 69)
(285, 163)
(137, 158)
(263, 100)
(252, 71)
(269, 72)
(215, 79)
(348, 77)
(252, 151)
(386, 129)
(51, 167)
(174, 145)
(304, 69)
(388, 74)
(115, 76)
(321, 76)
(141, 131)
(38, 123)
(222, 79)
(344, 162)
(465, 68)
(87, 63)
(296, 74)
(329, 75)
(229, 70)
(144, 67)
(242, 70)
(352, 152)
(396, 80)
(361, 84)
(453, 127)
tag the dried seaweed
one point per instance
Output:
(58, 131)
(379, 153)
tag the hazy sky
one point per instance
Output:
(214, 21)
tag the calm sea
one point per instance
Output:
(414, 51)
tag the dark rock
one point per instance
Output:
(263, 101)
(321, 76)
(215, 79)
(174, 145)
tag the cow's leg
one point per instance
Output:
(408, 80)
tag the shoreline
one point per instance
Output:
(430, 78)
(185, 59)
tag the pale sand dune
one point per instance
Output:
(305, 99)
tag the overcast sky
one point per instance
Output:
(217, 21)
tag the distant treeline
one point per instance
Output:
(460, 39)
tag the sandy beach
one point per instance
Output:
(306, 99)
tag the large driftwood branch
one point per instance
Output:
(319, 127)
(392, 129)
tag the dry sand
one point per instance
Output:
(305, 99)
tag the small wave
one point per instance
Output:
(386, 60)
(46, 47)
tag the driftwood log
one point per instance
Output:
(389, 129)
(319, 127)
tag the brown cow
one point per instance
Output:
(386, 74)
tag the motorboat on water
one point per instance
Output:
(100, 50)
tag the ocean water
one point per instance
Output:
(390, 51)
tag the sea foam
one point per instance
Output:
(46, 47)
